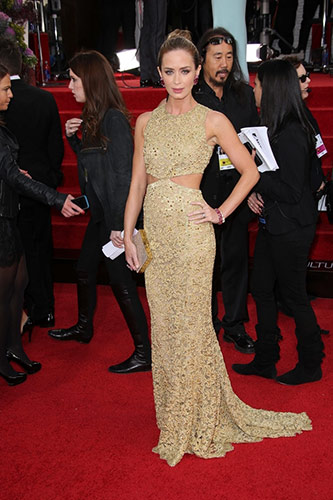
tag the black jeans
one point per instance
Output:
(282, 259)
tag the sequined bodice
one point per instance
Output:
(176, 144)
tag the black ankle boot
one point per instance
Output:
(267, 353)
(300, 375)
(135, 363)
(131, 307)
(83, 330)
(254, 369)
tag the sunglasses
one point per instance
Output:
(217, 40)
(304, 77)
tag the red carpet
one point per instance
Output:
(75, 431)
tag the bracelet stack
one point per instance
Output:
(220, 216)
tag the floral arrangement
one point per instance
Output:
(13, 15)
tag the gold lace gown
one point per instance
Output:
(196, 408)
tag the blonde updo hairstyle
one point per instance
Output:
(179, 40)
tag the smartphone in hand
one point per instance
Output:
(81, 201)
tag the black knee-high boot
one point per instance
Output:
(83, 330)
(267, 353)
(310, 354)
(131, 307)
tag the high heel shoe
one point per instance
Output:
(31, 367)
(16, 379)
(27, 327)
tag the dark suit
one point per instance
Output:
(33, 118)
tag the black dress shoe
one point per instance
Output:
(16, 379)
(146, 83)
(242, 341)
(299, 375)
(135, 363)
(30, 367)
(253, 369)
(82, 335)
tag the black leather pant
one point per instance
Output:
(120, 277)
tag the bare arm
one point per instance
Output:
(227, 138)
(136, 193)
(220, 131)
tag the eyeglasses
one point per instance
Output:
(304, 77)
(217, 40)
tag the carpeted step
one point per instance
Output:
(324, 117)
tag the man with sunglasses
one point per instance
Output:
(222, 88)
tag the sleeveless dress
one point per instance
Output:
(196, 408)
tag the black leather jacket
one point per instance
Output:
(108, 169)
(13, 182)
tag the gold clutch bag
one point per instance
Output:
(143, 250)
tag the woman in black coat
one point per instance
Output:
(288, 216)
(13, 273)
(105, 167)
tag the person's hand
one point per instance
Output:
(25, 172)
(205, 213)
(69, 209)
(255, 203)
(117, 239)
(72, 126)
(131, 256)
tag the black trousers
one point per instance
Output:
(151, 38)
(233, 244)
(112, 15)
(285, 22)
(34, 223)
(282, 260)
(91, 255)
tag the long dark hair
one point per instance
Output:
(101, 92)
(235, 77)
(3, 73)
(281, 99)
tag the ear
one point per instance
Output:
(159, 71)
(197, 71)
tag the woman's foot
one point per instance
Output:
(11, 376)
(23, 360)
(299, 375)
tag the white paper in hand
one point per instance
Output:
(258, 138)
(113, 252)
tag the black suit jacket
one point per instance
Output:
(33, 118)
(289, 203)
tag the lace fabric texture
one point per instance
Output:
(196, 408)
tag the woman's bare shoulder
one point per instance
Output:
(217, 118)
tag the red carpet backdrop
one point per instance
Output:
(75, 431)
(68, 233)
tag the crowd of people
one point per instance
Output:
(198, 187)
